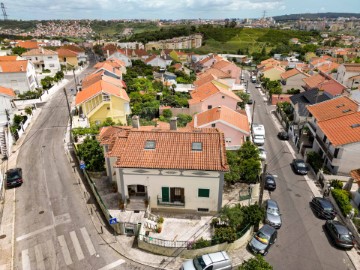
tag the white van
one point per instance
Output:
(253, 79)
(214, 261)
(258, 134)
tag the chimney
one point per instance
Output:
(135, 122)
(173, 123)
(108, 53)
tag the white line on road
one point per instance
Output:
(22, 237)
(39, 258)
(77, 246)
(65, 250)
(112, 265)
(25, 260)
(87, 240)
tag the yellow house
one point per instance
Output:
(103, 99)
(67, 56)
(273, 73)
(178, 56)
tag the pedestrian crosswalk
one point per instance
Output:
(72, 247)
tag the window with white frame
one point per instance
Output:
(105, 97)
(228, 140)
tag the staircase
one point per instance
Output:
(136, 204)
(3, 148)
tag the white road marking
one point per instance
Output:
(39, 258)
(25, 260)
(87, 240)
(65, 250)
(77, 246)
(52, 254)
(34, 233)
(58, 220)
(112, 265)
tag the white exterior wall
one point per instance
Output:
(5, 104)
(295, 82)
(343, 76)
(154, 180)
(349, 158)
(20, 82)
(50, 62)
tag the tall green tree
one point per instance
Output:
(18, 50)
(91, 152)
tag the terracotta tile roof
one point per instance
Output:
(225, 114)
(355, 174)
(8, 58)
(7, 91)
(111, 48)
(268, 63)
(213, 57)
(352, 67)
(332, 87)
(333, 108)
(317, 60)
(327, 68)
(173, 150)
(204, 79)
(28, 44)
(40, 51)
(95, 77)
(289, 73)
(314, 80)
(147, 60)
(221, 64)
(342, 130)
(273, 67)
(275, 98)
(98, 88)
(13, 66)
(111, 67)
(208, 89)
(177, 66)
(66, 52)
(73, 48)
(216, 72)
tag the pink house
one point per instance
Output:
(230, 68)
(210, 95)
(234, 125)
(208, 61)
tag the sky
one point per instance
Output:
(169, 9)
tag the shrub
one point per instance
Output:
(335, 183)
(46, 71)
(224, 234)
(161, 220)
(315, 160)
(357, 223)
(257, 262)
(201, 243)
(342, 200)
(92, 153)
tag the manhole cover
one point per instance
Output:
(41, 212)
(2, 236)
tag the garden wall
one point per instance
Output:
(191, 253)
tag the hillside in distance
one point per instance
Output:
(330, 15)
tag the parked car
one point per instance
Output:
(299, 166)
(214, 261)
(263, 239)
(14, 177)
(258, 85)
(272, 214)
(250, 101)
(262, 153)
(283, 135)
(323, 208)
(339, 234)
(270, 183)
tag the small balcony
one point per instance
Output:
(180, 201)
(324, 147)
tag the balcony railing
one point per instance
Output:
(177, 202)
(324, 147)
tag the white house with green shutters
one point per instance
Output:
(174, 170)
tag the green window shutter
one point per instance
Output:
(165, 194)
(202, 192)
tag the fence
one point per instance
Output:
(95, 192)
(187, 244)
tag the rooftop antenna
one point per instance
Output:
(4, 11)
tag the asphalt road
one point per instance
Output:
(302, 243)
(52, 227)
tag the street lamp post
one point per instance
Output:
(74, 78)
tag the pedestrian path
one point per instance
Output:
(74, 247)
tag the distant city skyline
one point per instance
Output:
(169, 9)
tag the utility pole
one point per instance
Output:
(262, 185)
(74, 79)
(3, 9)
(68, 106)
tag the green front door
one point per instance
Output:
(165, 194)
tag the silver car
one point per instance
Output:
(272, 215)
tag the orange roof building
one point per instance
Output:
(234, 124)
(7, 92)
(28, 44)
(175, 162)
